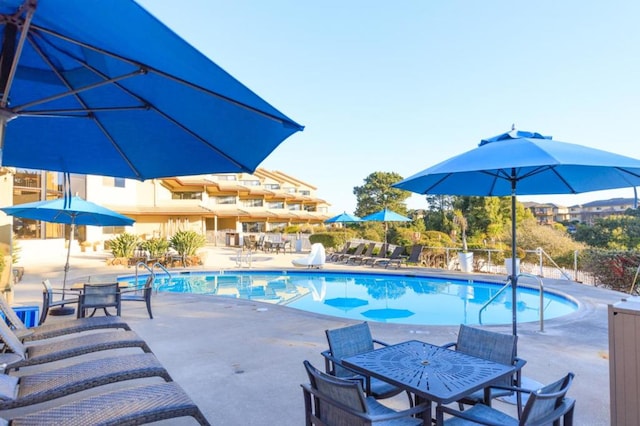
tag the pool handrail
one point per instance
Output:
(150, 269)
(507, 285)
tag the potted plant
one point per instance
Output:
(465, 257)
(520, 253)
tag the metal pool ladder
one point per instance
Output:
(507, 285)
(150, 269)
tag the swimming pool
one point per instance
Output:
(401, 299)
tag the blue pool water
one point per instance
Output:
(374, 297)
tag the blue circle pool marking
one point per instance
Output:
(392, 298)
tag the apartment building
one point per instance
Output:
(548, 213)
(220, 206)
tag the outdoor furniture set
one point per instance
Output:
(139, 404)
(363, 255)
(483, 366)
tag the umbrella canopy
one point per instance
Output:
(107, 89)
(343, 218)
(71, 211)
(525, 163)
(385, 215)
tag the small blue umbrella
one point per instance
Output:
(346, 303)
(107, 89)
(385, 215)
(343, 218)
(385, 314)
(71, 211)
(526, 163)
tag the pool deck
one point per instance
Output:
(241, 361)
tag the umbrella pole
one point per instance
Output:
(513, 276)
(62, 309)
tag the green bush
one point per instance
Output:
(612, 269)
(124, 244)
(328, 240)
(156, 247)
(187, 242)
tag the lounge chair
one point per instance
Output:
(353, 340)
(330, 400)
(396, 255)
(382, 254)
(47, 331)
(315, 259)
(139, 294)
(357, 257)
(357, 252)
(545, 406)
(496, 347)
(414, 257)
(128, 406)
(48, 301)
(39, 353)
(336, 256)
(35, 388)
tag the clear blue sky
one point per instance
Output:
(401, 86)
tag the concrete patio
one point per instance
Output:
(241, 361)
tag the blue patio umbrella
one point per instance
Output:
(346, 303)
(385, 215)
(525, 163)
(343, 218)
(107, 89)
(71, 211)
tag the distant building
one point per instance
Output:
(220, 206)
(549, 213)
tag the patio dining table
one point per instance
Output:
(430, 372)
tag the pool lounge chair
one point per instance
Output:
(315, 259)
(414, 257)
(27, 354)
(396, 255)
(382, 254)
(333, 257)
(129, 406)
(29, 389)
(360, 258)
(47, 331)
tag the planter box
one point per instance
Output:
(466, 261)
(507, 265)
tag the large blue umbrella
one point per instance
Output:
(525, 163)
(105, 88)
(71, 211)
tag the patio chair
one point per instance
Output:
(353, 340)
(496, 347)
(47, 331)
(334, 257)
(330, 400)
(27, 354)
(139, 293)
(358, 258)
(99, 296)
(128, 406)
(29, 389)
(48, 301)
(545, 406)
(396, 254)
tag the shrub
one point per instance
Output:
(156, 247)
(124, 244)
(612, 269)
(187, 242)
(328, 239)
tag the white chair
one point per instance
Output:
(315, 259)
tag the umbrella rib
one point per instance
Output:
(77, 112)
(171, 77)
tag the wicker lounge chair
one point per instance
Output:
(139, 294)
(545, 406)
(44, 386)
(495, 347)
(47, 331)
(42, 352)
(331, 400)
(352, 340)
(128, 406)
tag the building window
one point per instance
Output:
(253, 227)
(305, 192)
(272, 186)
(253, 202)
(295, 206)
(113, 182)
(113, 230)
(251, 182)
(226, 199)
(276, 205)
(186, 195)
(227, 177)
(290, 190)
(277, 226)
(310, 208)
